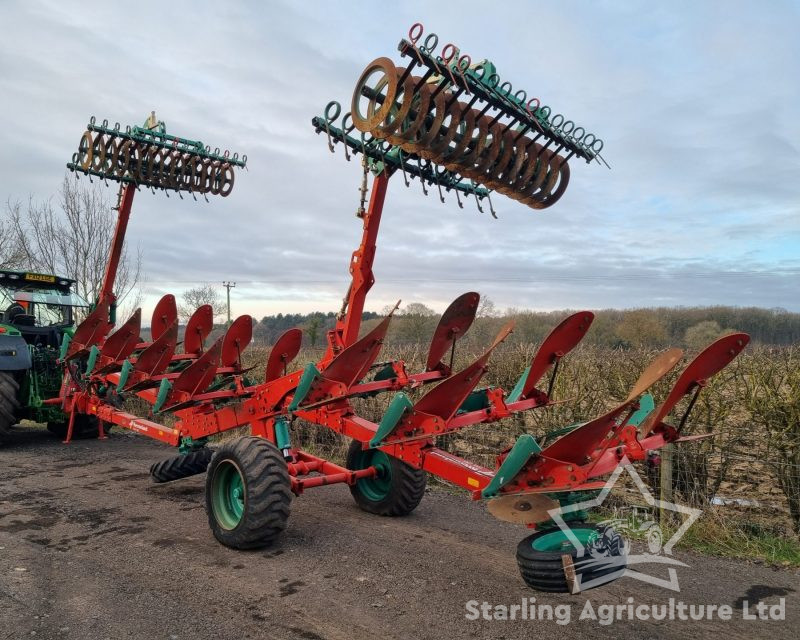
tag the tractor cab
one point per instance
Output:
(37, 306)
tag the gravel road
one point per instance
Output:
(90, 548)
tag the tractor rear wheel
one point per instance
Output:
(178, 467)
(539, 557)
(395, 491)
(248, 493)
(9, 404)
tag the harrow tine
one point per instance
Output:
(454, 323)
(119, 345)
(713, 359)
(430, 415)
(560, 341)
(197, 330)
(236, 339)
(165, 315)
(192, 380)
(286, 348)
(90, 332)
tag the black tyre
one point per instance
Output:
(178, 467)
(395, 491)
(84, 427)
(540, 564)
(248, 493)
(9, 403)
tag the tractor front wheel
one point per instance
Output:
(248, 493)
(9, 404)
(541, 563)
(395, 491)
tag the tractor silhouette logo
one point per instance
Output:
(609, 553)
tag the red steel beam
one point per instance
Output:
(117, 242)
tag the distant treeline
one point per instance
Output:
(655, 327)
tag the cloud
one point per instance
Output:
(697, 108)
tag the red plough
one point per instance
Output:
(206, 390)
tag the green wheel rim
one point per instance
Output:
(378, 488)
(558, 540)
(227, 494)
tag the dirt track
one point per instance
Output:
(90, 548)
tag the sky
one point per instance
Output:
(698, 104)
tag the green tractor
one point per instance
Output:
(36, 311)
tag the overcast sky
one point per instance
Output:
(698, 104)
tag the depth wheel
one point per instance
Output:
(248, 493)
(539, 558)
(9, 404)
(178, 467)
(395, 491)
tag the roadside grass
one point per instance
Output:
(715, 536)
(745, 540)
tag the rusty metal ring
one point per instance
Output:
(491, 150)
(122, 160)
(141, 160)
(214, 177)
(228, 177)
(454, 153)
(506, 156)
(446, 133)
(85, 151)
(522, 156)
(397, 114)
(187, 171)
(199, 175)
(413, 38)
(420, 104)
(430, 127)
(154, 165)
(535, 174)
(111, 146)
(478, 143)
(209, 174)
(532, 151)
(543, 174)
(173, 170)
(563, 183)
(98, 153)
(365, 123)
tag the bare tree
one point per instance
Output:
(486, 308)
(71, 239)
(10, 254)
(197, 297)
